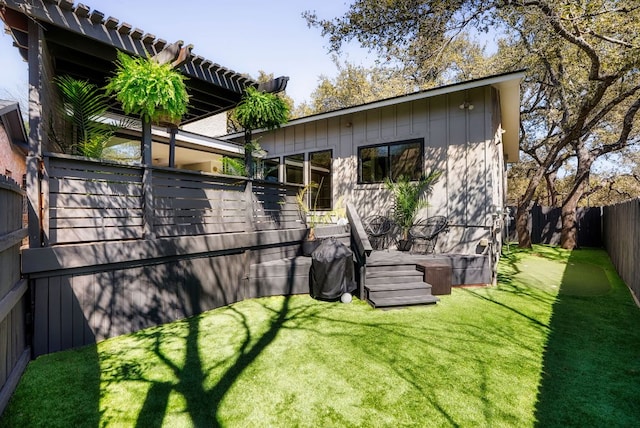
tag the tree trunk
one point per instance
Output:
(552, 193)
(522, 224)
(569, 233)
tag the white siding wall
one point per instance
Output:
(464, 144)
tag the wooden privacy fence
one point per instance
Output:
(621, 232)
(88, 201)
(14, 305)
(126, 246)
(545, 225)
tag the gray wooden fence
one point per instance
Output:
(127, 247)
(545, 225)
(621, 232)
(14, 305)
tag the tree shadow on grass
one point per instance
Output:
(591, 367)
(202, 402)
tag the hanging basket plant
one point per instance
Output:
(155, 92)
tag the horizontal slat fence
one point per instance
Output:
(14, 303)
(189, 204)
(91, 201)
(275, 207)
(621, 232)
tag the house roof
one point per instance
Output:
(508, 84)
(14, 126)
(84, 42)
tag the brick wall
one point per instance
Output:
(11, 163)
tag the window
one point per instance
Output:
(320, 173)
(294, 169)
(393, 160)
(270, 169)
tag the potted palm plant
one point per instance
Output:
(310, 242)
(410, 198)
(82, 107)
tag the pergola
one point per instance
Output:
(83, 43)
(58, 37)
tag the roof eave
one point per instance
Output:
(14, 126)
(510, 117)
(508, 84)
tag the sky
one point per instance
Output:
(243, 35)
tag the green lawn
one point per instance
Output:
(537, 350)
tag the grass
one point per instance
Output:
(521, 354)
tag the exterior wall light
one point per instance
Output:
(466, 105)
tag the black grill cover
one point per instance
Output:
(331, 272)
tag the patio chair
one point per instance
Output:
(425, 233)
(378, 229)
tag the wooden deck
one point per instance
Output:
(398, 278)
(467, 269)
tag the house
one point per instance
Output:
(13, 142)
(115, 247)
(468, 131)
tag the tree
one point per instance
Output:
(581, 91)
(355, 85)
(258, 110)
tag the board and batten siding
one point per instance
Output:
(464, 144)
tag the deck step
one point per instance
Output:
(391, 277)
(390, 267)
(399, 286)
(396, 284)
(388, 302)
(295, 266)
(415, 289)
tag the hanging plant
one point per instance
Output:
(155, 92)
(259, 110)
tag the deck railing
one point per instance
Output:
(88, 201)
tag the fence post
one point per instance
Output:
(248, 195)
(147, 181)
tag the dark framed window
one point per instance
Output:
(270, 169)
(320, 173)
(294, 169)
(391, 160)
